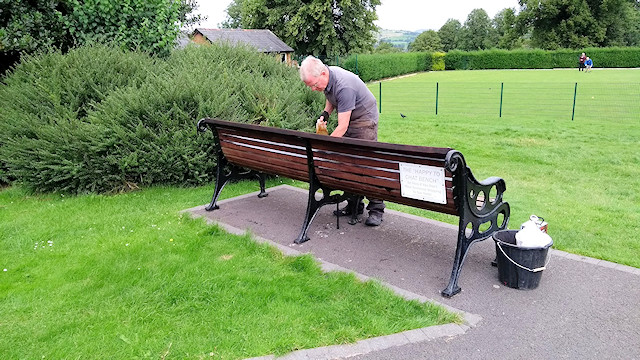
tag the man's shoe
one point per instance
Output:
(374, 219)
(346, 211)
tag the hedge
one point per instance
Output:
(613, 57)
(100, 119)
(379, 66)
(371, 67)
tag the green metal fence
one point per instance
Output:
(566, 101)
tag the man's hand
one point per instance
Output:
(321, 127)
(324, 116)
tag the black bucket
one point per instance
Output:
(519, 267)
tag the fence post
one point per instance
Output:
(575, 91)
(501, 91)
(437, 86)
(380, 97)
(337, 60)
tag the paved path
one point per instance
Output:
(583, 309)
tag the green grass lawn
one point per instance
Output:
(526, 94)
(128, 277)
(582, 176)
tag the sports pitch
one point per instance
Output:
(581, 175)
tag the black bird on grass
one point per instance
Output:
(403, 115)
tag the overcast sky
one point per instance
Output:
(392, 14)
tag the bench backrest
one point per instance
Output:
(357, 166)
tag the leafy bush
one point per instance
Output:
(438, 61)
(28, 26)
(49, 95)
(101, 119)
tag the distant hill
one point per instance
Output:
(398, 38)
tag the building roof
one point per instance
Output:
(182, 40)
(263, 40)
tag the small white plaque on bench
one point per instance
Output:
(423, 182)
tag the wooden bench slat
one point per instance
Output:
(389, 173)
(392, 195)
(255, 143)
(290, 173)
(361, 187)
(372, 160)
(399, 153)
(369, 177)
(276, 166)
(264, 154)
(264, 133)
(349, 175)
(351, 159)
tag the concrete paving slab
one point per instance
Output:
(582, 309)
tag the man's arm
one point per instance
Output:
(343, 124)
(328, 107)
(322, 120)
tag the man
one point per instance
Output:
(581, 61)
(588, 63)
(357, 115)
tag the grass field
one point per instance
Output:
(531, 94)
(128, 277)
(582, 176)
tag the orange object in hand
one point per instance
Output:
(321, 128)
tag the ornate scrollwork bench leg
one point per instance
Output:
(476, 210)
(226, 171)
(313, 205)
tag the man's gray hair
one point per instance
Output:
(311, 67)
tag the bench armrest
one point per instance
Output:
(493, 180)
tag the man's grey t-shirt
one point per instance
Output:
(346, 92)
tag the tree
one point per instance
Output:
(579, 23)
(561, 24)
(632, 36)
(151, 25)
(620, 17)
(450, 35)
(310, 26)
(29, 25)
(477, 31)
(506, 30)
(426, 41)
(386, 48)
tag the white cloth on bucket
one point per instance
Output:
(530, 236)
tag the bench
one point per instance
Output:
(430, 178)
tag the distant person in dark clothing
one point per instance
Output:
(581, 61)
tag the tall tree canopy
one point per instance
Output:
(151, 25)
(579, 23)
(477, 32)
(426, 41)
(386, 48)
(310, 26)
(450, 34)
(507, 33)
